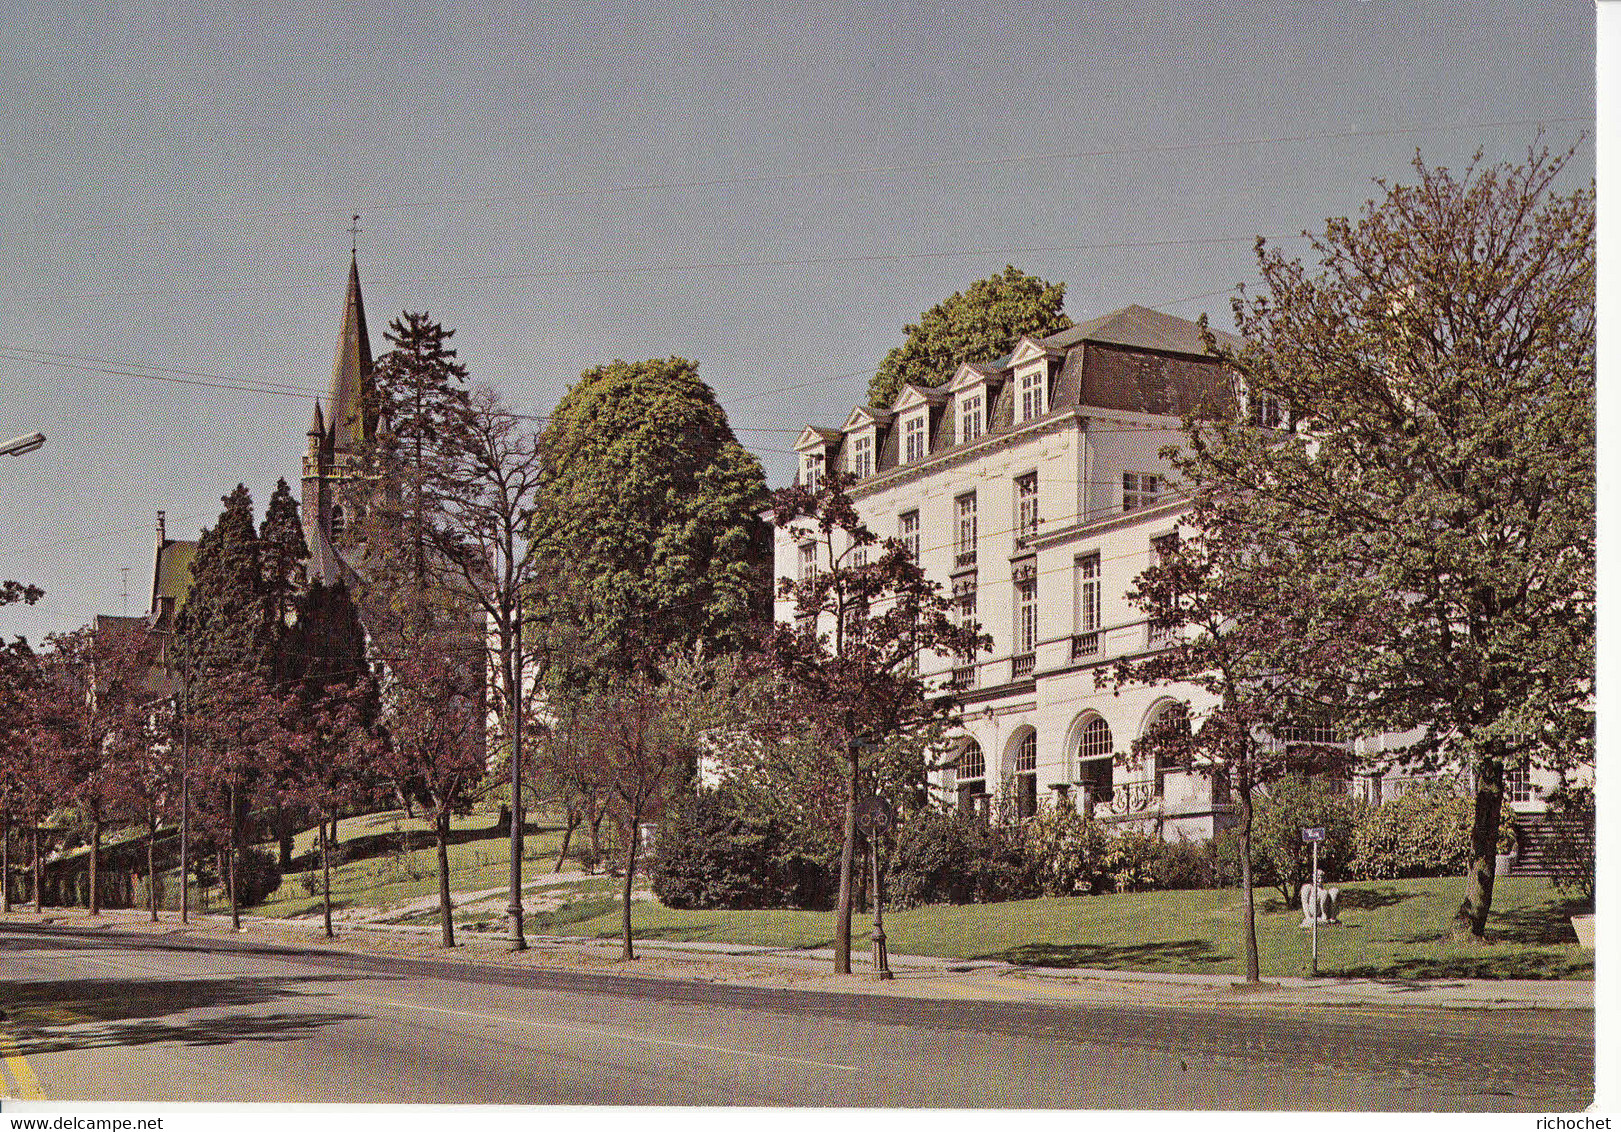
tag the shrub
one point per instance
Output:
(714, 854)
(1187, 864)
(1130, 859)
(1422, 833)
(1570, 855)
(257, 876)
(1290, 805)
(949, 858)
(1067, 851)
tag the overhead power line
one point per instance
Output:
(735, 180)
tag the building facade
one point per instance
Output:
(1032, 486)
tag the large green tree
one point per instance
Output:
(225, 623)
(1431, 508)
(653, 508)
(976, 325)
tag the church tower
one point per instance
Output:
(333, 503)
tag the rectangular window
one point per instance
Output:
(1088, 594)
(1032, 394)
(967, 529)
(862, 457)
(1026, 615)
(813, 472)
(967, 605)
(858, 557)
(807, 561)
(917, 439)
(1140, 489)
(1029, 512)
(911, 535)
(973, 418)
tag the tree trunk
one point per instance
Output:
(95, 866)
(39, 874)
(630, 880)
(230, 855)
(441, 840)
(841, 931)
(573, 823)
(596, 841)
(152, 867)
(1246, 809)
(5, 865)
(326, 880)
(1477, 900)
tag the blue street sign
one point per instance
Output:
(1315, 833)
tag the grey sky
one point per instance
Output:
(771, 190)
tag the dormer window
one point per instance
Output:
(971, 412)
(1032, 394)
(813, 471)
(861, 456)
(915, 436)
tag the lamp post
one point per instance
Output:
(22, 445)
(514, 681)
(874, 816)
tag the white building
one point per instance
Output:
(1032, 485)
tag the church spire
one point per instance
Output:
(351, 419)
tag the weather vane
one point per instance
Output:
(354, 232)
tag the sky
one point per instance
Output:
(774, 191)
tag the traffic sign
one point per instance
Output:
(1313, 833)
(874, 815)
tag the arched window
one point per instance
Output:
(337, 521)
(970, 776)
(1169, 730)
(1094, 759)
(1024, 776)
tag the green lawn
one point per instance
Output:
(1389, 929)
(381, 875)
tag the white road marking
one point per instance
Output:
(592, 1031)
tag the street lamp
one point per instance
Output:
(22, 444)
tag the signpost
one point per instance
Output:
(874, 816)
(1312, 835)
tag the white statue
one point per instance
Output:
(1319, 903)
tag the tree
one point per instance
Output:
(649, 500)
(18, 673)
(480, 535)
(433, 710)
(1432, 504)
(283, 553)
(97, 678)
(976, 325)
(225, 623)
(1220, 616)
(867, 616)
(417, 406)
(642, 735)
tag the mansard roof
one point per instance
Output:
(1143, 329)
(1131, 360)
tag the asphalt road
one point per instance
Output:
(96, 1017)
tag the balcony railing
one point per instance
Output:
(964, 677)
(966, 558)
(1085, 646)
(1024, 665)
(1130, 798)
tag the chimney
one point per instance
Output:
(160, 529)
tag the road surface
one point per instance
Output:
(101, 1017)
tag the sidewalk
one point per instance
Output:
(915, 976)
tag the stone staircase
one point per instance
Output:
(1537, 832)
